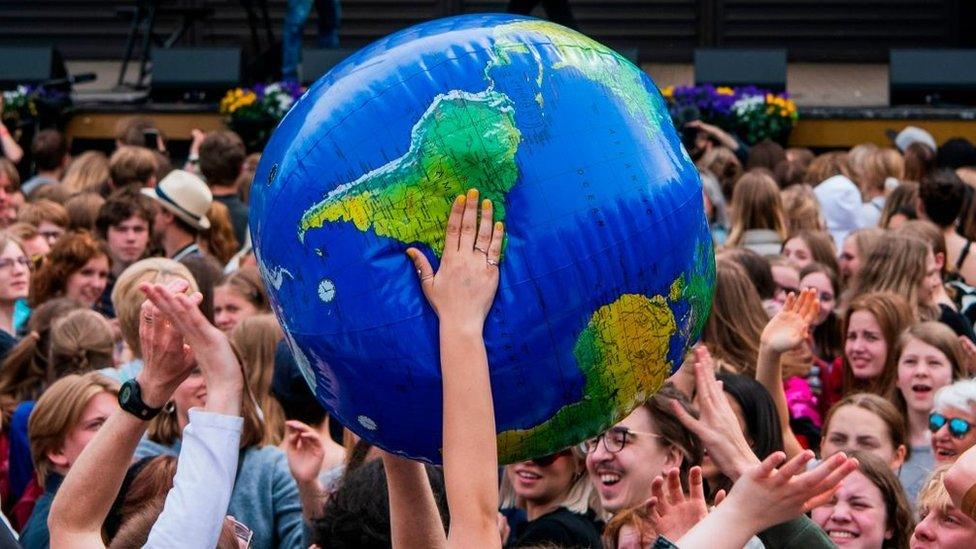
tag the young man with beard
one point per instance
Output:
(649, 442)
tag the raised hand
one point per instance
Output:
(969, 354)
(464, 286)
(167, 361)
(791, 326)
(716, 425)
(305, 452)
(669, 511)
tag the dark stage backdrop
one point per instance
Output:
(663, 30)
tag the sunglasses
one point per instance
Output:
(546, 461)
(958, 427)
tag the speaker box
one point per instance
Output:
(194, 74)
(29, 65)
(932, 76)
(317, 62)
(765, 68)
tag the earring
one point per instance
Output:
(170, 407)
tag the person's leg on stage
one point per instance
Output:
(291, 37)
(521, 7)
(329, 16)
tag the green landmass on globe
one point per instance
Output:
(466, 140)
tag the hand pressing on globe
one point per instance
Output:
(464, 285)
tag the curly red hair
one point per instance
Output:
(70, 253)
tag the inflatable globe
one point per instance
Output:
(607, 269)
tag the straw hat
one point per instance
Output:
(185, 195)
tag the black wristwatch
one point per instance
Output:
(130, 399)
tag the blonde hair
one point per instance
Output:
(579, 498)
(256, 339)
(127, 299)
(724, 165)
(896, 265)
(933, 495)
(41, 210)
(879, 166)
(858, 160)
(825, 166)
(81, 341)
(756, 204)
(219, 240)
(83, 210)
(737, 319)
(801, 209)
(132, 165)
(88, 172)
(57, 412)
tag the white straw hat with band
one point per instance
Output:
(185, 195)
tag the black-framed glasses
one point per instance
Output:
(958, 427)
(23, 261)
(614, 440)
(546, 461)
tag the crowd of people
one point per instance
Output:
(147, 397)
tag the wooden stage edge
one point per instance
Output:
(819, 133)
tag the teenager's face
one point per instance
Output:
(850, 259)
(922, 370)
(797, 252)
(192, 393)
(96, 412)
(825, 290)
(87, 283)
(854, 428)
(544, 484)
(932, 280)
(623, 478)
(950, 529)
(855, 518)
(865, 346)
(230, 308)
(128, 240)
(15, 277)
(945, 445)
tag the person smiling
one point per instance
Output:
(930, 357)
(952, 419)
(874, 321)
(77, 267)
(554, 492)
(15, 276)
(650, 441)
(869, 511)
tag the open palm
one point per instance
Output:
(791, 326)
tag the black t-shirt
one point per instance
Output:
(561, 527)
(956, 321)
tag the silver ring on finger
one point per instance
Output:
(480, 249)
(492, 262)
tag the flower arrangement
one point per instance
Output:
(29, 105)
(254, 112)
(752, 113)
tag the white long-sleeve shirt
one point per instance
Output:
(197, 504)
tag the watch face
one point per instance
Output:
(125, 393)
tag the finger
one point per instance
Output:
(769, 464)
(653, 509)
(686, 419)
(819, 474)
(835, 477)
(177, 285)
(696, 486)
(790, 302)
(485, 226)
(657, 492)
(469, 221)
(675, 494)
(452, 234)
(795, 465)
(424, 271)
(719, 497)
(495, 248)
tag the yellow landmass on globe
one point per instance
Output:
(623, 355)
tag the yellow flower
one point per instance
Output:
(724, 90)
(668, 91)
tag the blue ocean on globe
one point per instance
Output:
(607, 269)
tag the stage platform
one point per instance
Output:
(840, 105)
